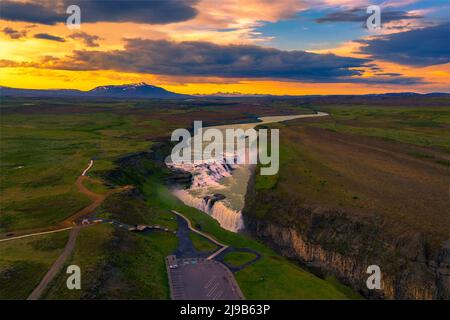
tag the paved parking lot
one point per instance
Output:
(201, 279)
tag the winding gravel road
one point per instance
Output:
(59, 263)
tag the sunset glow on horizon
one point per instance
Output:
(258, 47)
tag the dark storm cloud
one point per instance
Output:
(360, 15)
(47, 36)
(89, 40)
(31, 12)
(208, 59)
(419, 47)
(227, 61)
(141, 11)
(13, 33)
(151, 11)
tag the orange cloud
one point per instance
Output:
(220, 22)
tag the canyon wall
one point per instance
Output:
(335, 242)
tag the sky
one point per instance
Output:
(248, 46)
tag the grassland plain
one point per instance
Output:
(117, 264)
(24, 262)
(367, 184)
(46, 144)
(237, 259)
(201, 243)
(421, 126)
(53, 140)
(348, 166)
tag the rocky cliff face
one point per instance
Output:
(330, 241)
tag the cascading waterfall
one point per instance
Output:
(228, 218)
(209, 177)
(208, 174)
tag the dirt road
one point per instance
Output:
(57, 265)
(35, 234)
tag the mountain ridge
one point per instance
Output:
(144, 90)
(133, 90)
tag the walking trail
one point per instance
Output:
(223, 246)
(59, 263)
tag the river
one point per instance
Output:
(218, 189)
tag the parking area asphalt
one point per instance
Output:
(201, 279)
(186, 248)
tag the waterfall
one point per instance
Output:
(205, 173)
(229, 176)
(208, 174)
(228, 218)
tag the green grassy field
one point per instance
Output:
(90, 255)
(427, 127)
(117, 264)
(391, 160)
(24, 262)
(201, 243)
(41, 157)
(44, 147)
(237, 259)
(96, 186)
(46, 143)
(125, 208)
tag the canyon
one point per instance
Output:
(342, 202)
(230, 180)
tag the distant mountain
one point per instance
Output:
(144, 90)
(134, 90)
(374, 95)
(6, 91)
(409, 94)
(233, 95)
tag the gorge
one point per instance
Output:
(211, 178)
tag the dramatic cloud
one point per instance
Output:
(142, 11)
(359, 3)
(360, 15)
(204, 59)
(151, 11)
(207, 59)
(89, 40)
(419, 47)
(47, 36)
(13, 33)
(30, 12)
